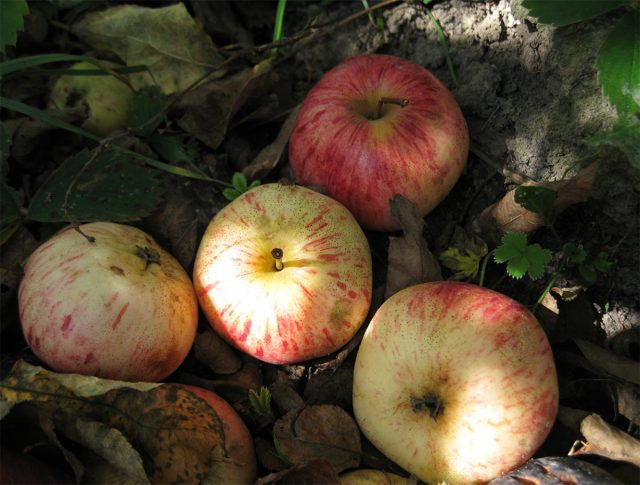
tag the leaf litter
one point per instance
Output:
(218, 94)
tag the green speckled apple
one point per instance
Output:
(107, 97)
(455, 383)
(284, 274)
(120, 307)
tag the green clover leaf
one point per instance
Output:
(521, 257)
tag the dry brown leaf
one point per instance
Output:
(319, 432)
(168, 40)
(270, 155)
(628, 398)
(507, 215)
(605, 440)
(208, 109)
(409, 260)
(268, 456)
(315, 472)
(609, 362)
(285, 397)
(176, 433)
(215, 353)
(176, 221)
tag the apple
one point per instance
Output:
(366, 476)
(376, 126)
(283, 273)
(106, 96)
(120, 307)
(455, 383)
(241, 466)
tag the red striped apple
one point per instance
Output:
(455, 383)
(284, 274)
(376, 126)
(119, 307)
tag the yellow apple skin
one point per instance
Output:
(97, 308)
(455, 382)
(311, 307)
(107, 97)
(372, 477)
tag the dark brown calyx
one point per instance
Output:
(149, 255)
(430, 402)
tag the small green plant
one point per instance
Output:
(260, 401)
(11, 21)
(521, 257)
(239, 186)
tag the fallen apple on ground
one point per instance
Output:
(106, 96)
(120, 307)
(284, 274)
(240, 466)
(455, 382)
(376, 126)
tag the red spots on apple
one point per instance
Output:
(66, 324)
(118, 318)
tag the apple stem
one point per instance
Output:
(277, 254)
(149, 255)
(431, 402)
(402, 102)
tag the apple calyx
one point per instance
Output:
(430, 402)
(149, 255)
(402, 102)
(277, 254)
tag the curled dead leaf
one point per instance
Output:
(319, 432)
(612, 364)
(606, 440)
(208, 109)
(269, 156)
(507, 215)
(315, 472)
(409, 260)
(214, 352)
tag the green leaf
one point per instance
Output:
(239, 181)
(574, 254)
(231, 194)
(143, 112)
(12, 13)
(22, 63)
(52, 120)
(261, 401)
(109, 187)
(565, 12)
(602, 263)
(625, 136)
(539, 200)
(588, 273)
(175, 148)
(521, 257)
(618, 64)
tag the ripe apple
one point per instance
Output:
(283, 273)
(366, 476)
(241, 466)
(376, 126)
(106, 96)
(455, 382)
(119, 307)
